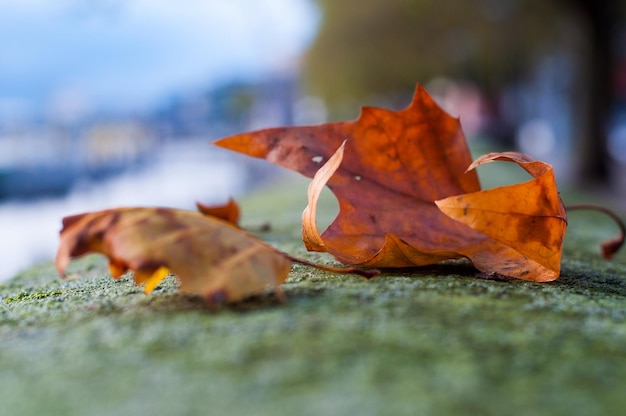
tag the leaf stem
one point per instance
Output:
(366, 273)
(612, 246)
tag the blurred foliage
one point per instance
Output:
(367, 47)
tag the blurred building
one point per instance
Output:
(46, 160)
(235, 106)
(42, 159)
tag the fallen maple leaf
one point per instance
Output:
(210, 257)
(387, 177)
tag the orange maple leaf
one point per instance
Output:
(407, 198)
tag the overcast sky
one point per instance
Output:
(127, 54)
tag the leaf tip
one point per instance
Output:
(611, 247)
(228, 212)
(61, 262)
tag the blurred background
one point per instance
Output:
(107, 102)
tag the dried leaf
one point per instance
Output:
(228, 212)
(527, 217)
(210, 257)
(387, 177)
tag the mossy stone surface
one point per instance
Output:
(430, 341)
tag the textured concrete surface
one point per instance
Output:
(434, 340)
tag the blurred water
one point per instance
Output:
(179, 175)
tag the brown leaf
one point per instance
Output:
(387, 177)
(210, 257)
(228, 212)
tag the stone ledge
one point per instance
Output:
(433, 340)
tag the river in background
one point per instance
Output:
(178, 175)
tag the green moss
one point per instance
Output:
(26, 296)
(434, 340)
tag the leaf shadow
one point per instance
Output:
(588, 281)
(180, 302)
(456, 268)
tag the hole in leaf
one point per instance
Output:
(499, 173)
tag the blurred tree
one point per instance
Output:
(383, 47)
(599, 20)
